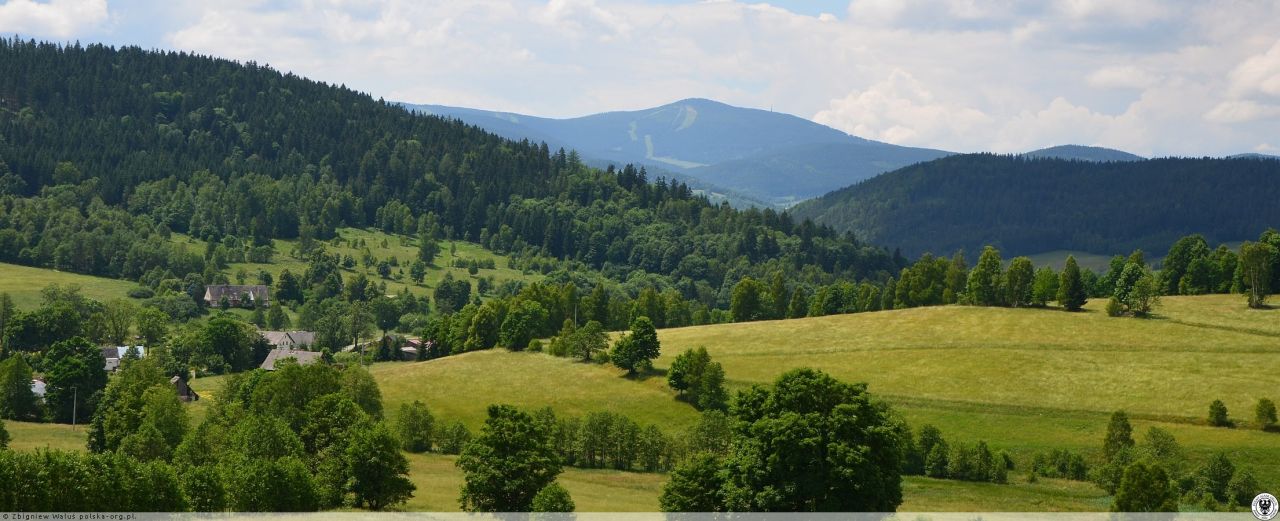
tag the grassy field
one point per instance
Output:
(1030, 380)
(404, 249)
(462, 387)
(24, 283)
(1024, 380)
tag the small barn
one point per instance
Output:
(184, 391)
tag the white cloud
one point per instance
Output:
(900, 110)
(57, 19)
(1240, 111)
(1121, 77)
(1258, 74)
(1160, 78)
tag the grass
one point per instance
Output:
(404, 249)
(23, 284)
(439, 483)
(32, 436)
(1029, 380)
(462, 387)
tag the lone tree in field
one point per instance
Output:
(812, 444)
(1145, 488)
(1072, 295)
(1265, 414)
(1218, 414)
(1119, 435)
(637, 349)
(511, 461)
(1255, 268)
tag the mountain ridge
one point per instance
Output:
(755, 152)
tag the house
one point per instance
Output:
(303, 357)
(184, 391)
(247, 296)
(290, 339)
(111, 356)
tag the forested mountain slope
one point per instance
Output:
(1025, 205)
(772, 156)
(105, 151)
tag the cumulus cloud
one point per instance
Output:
(1122, 77)
(1156, 77)
(56, 19)
(900, 110)
(1258, 74)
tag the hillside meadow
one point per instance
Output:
(1024, 380)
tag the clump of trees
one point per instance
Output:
(301, 438)
(770, 469)
(1156, 476)
(698, 379)
(929, 454)
(509, 464)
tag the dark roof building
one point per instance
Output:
(277, 355)
(238, 296)
(290, 339)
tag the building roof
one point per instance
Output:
(303, 357)
(289, 338)
(214, 293)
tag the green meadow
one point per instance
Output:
(1024, 380)
(23, 284)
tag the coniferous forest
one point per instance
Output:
(1026, 206)
(105, 151)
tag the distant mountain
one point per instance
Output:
(771, 156)
(1254, 155)
(1029, 205)
(1084, 153)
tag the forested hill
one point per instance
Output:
(1027, 206)
(105, 151)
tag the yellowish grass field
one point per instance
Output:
(24, 283)
(1018, 357)
(462, 387)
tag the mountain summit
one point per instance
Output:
(776, 157)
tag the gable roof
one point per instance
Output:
(276, 355)
(289, 338)
(214, 293)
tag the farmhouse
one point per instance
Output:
(238, 296)
(290, 339)
(276, 355)
(111, 356)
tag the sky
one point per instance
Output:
(1153, 77)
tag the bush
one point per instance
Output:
(553, 498)
(1114, 308)
(1218, 414)
(415, 426)
(454, 438)
(1265, 414)
(141, 292)
(1060, 463)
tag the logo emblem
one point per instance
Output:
(1265, 507)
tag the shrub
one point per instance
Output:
(415, 426)
(141, 292)
(454, 438)
(1265, 414)
(1114, 308)
(1218, 414)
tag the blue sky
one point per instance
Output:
(1150, 76)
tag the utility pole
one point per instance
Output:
(75, 399)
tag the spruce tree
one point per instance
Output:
(1072, 295)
